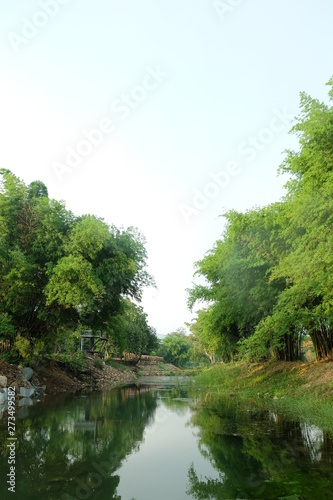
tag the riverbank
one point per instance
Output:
(55, 377)
(300, 390)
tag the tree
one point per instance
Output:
(140, 338)
(204, 338)
(237, 271)
(269, 279)
(59, 272)
(175, 347)
(305, 306)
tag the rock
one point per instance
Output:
(39, 391)
(3, 396)
(25, 402)
(27, 373)
(27, 393)
(3, 381)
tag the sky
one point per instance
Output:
(159, 115)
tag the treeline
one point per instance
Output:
(60, 274)
(269, 279)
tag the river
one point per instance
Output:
(161, 439)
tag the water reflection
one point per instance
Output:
(156, 440)
(260, 455)
(65, 445)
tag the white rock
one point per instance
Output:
(27, 373)
(26, 393)
(25, 402)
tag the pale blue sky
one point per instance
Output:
(229, 80)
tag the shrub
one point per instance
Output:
(73, 362)
(98, 363)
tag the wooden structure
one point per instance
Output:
(97, 343)
(89, 425)
(4, 346)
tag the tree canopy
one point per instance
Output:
(62, 272)
(269, 277)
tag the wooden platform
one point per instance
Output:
(96, 339)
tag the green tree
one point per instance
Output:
(59, 272)
(140, 338)
(237, 271)
(305, 306)
(175, 347)
(204, 338)
(269, 279)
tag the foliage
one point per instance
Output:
(175, 348)
(98, 363)
(74, 362)
(29, 351)
(6, 327)
(59, 272)
(116, 365)
(269, 278)
(205, 339)
(131, 332)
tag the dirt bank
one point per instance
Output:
(55, 378)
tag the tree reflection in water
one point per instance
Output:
(260, 455)
(70, 447)
(74, 447)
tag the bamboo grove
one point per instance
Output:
(269, 279)
(61, 274)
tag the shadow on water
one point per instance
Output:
(76, 446)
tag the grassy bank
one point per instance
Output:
(298, 390)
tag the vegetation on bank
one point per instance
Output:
(269, 279)
(299, 390)
(61, 274)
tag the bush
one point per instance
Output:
(73, 362)
(23, 346)
(28, 351)
(116, 364)
(98, 363)
(12, 357)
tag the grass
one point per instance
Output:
(74, 363)
(116, 364)
(299, 390)
(98, 363)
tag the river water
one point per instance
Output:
(160, 439)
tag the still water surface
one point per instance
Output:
(160, 440)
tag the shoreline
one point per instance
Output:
(52, 377)
(300, 390)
